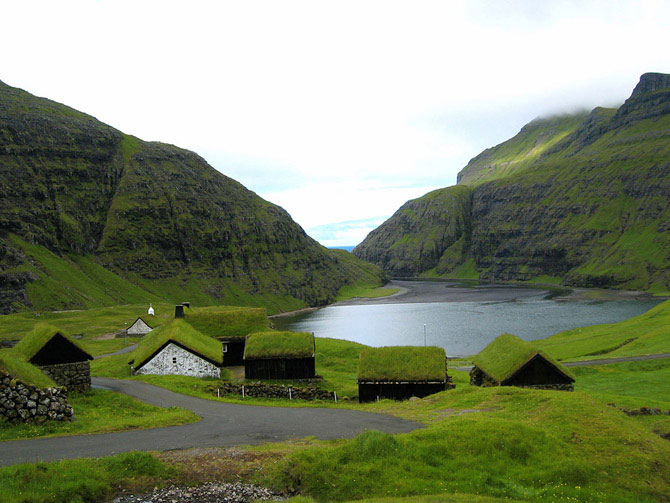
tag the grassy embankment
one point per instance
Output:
(100, 411)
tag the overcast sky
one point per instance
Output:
(337, 111)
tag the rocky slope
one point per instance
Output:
(579, 200)
(90, 216)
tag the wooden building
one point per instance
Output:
(176, 348)
(279, 355)
(230, 326)
(510, 361)
(58, 356)
(139, 328)
(401, 372)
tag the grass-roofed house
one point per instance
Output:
(401, 372)
(142, 326)
(510, 361)
(57, 355)
(27, 395)
(279, 355)
(230, 325)
(177, 348)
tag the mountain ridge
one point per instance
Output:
(579, 200)
(157, 217)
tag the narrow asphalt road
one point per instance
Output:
(223, 424)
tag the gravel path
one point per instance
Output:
(206, 493)
(223, 424)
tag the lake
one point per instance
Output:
(462, 320)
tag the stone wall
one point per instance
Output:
(23, 403)
(175, 360)
(76, 376)
(260, 390)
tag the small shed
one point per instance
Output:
(139, 327)
(279, 355)
(177, 348)
(401, 372)
(510, 361)
(229, 325)
(58, 356)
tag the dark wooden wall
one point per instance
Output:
(235, 355)
(537, 371)
(368, 392)
(284, 368)
(58, 350)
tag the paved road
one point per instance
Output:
(223, 424)
(604, 361)
(127, 349)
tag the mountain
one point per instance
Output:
(90, 216)
(579, 199)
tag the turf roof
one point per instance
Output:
(271, 344)
(402, 363)
(503, 357)
(13, 365)
(227, 322)
(35, 340)
(181, 333)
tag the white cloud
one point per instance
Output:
(303, 101)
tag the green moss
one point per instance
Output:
(507, 354)
(227, 322)
(42, 333)
(180, 332)
(12, 365)
(402, 363)
(273, 344)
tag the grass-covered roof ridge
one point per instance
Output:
(13, 365)
(227, 322)
(507, 354)
(402, 363)
(181, 333)
(273, 344)
(31, 343)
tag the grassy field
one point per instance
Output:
(365, 290)
(81, 480)
(100, 411)
(648, 333)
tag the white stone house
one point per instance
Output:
(178, 349)
(138, 328)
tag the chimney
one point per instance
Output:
(186, 304)
(178, 311)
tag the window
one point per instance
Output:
(225, 348)
(174, 359)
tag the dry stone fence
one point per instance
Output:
(20, 402)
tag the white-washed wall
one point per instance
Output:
(139, 328)
(187, 364)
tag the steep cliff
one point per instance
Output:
(578, 200)
(90, 216)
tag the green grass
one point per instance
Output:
(507, 354)
(80, 480)
(224, 322)
(31, 343)
(402, 363)
(181, 332)
(648, 333)
(100, 411)
(273, 344)
(17, 368)
(532, 446)
(364, 290)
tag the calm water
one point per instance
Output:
(461, 328)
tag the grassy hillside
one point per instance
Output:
(578, 200)
(646, 334)
(92, 217)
